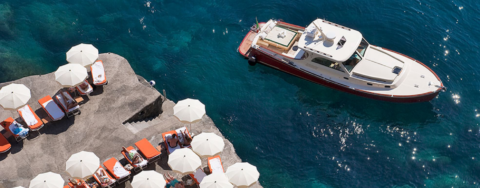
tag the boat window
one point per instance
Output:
(362, 47)
(352, 62)
(327, 63)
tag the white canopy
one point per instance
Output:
(189, 110)
(148, 179)
(184, 161)
(242, 174)
(216, 180)
(82, 164)
(14, 96)
(70, 75)
(83, 54)
(47, 180)
(207, 144)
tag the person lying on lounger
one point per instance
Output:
(173, 142)
(133, 155)
(76, 183)
(103, 177)
(187, 140)
(172, 182)
(83, 86)
(70, 103)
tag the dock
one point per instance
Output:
(119, 114)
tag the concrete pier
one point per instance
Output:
(118, 114)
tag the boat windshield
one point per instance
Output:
(352, 61)
(362, 47)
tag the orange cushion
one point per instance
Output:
(4, 144)
(147, 149)
(39, 121)
(216, 156)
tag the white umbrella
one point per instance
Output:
(216, 180)
(189, 110)
(70, 75)
(242, 174)
(83, 54)
(14, 96)
(47, 180)
(184, 161)
(148, 179)
(207, 144)
(82, 164)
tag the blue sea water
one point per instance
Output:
(297, 133)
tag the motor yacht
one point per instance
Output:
(340, 58)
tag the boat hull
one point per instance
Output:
(275, 63)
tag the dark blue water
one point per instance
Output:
(297, 133)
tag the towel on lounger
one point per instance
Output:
(120, 171)
(216, 165)
(18, 130)
(98, 72)
(28, 116)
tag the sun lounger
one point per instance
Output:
(52, 109)
(168, 135)
(117, 170)
(98, 73)
(14, 128)
(147, 150)
(87, 91)
(4, 144)
(33, 122)
(198, 176)
(112, 180)
(83, 182)
(72, 111)
(137, 166)
(215, 164)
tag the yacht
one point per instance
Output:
(339, 57)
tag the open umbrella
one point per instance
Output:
(189, 110)
(207, 144)
(184, 161)
(216, 180)
(242, 174)
(70, 75)
(82, 164)
(83, 54)
(148, 179)
(47, 180)
(14, 96)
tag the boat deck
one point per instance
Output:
(247, 43)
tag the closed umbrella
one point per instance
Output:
(70, 75)
(148, 179)
(242, 174)
(216, 180)
(83, 54)
(82, 164)
(184, 161)
(207, 144)
(47, 180)
(14, 96)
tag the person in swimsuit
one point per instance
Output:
(104, 179)
(70, 103)
(187, 140)
(133, 155)
(84, 86)
(77, 184)
(173, 142)
(172, 182)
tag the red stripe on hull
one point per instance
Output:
(274, 63)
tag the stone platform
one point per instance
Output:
(100, 128)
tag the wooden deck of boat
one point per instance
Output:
(247, 43)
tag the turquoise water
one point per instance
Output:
(297, 133)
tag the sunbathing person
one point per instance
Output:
(173, 142)
(84, 86)
(103, 178)
(186, 139)
(172, 182)
(69, 102)
(77, 184)
(134, 156)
